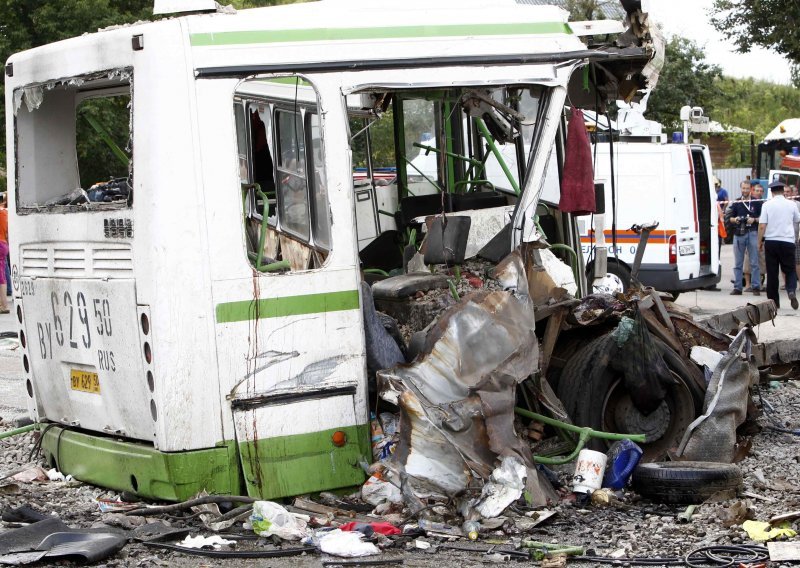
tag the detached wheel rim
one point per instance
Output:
(610, 284)
(663, 428)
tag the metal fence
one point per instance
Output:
(731, 179)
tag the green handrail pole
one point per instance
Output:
(453, 155)
(573, 257)
(400, 145)
(116, 150)
(584, 433)
(578, 429)
(496, 151)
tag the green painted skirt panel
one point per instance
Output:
(304, 463)
(141, 469)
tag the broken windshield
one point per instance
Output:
(74, 144)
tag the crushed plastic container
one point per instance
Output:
(623, 456)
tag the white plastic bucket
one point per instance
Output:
(589, 471)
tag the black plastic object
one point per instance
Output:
(24, 514)
(599, 198)
(420, 206)
(685, 482)
(498, 248)
(384, 252)
(446, 242)
(86, 546)
(271, 553)
(478, 200)
(405, 285)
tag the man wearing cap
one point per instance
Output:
(776, 237)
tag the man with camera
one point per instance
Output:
(744, 214)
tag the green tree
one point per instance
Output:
(582, 10)
(772, 24)
(686, 79)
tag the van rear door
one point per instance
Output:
(708, 219)
(685, 248)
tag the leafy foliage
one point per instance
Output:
(772, 24)
(686, 79)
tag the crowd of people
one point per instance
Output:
(765, 239)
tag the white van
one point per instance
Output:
(668, 183)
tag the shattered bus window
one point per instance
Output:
(74, 142)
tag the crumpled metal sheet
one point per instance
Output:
(457, 398)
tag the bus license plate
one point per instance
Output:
(85, 381)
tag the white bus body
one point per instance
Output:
(161, 347)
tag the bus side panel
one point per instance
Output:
(290, 346)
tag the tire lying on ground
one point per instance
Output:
(684, 482)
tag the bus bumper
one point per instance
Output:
(141, 469)
(665, 278)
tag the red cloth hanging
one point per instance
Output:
(577, 187)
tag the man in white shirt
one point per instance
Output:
(776, 237)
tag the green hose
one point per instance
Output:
(18, 431)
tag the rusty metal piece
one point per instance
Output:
(658, 329)
(551, 333)
(661, 311)
(751, 314)
(777, 353)
(690, 334)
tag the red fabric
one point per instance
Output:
(577, 187)
(383, 528)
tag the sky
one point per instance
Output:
(689, 18)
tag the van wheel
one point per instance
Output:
(616, 281)
(604, 404)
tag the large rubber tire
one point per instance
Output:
(615, 272)
(684, 482)
(591, 398)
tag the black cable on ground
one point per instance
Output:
(704, 557)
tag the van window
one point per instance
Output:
(74, 144)
(282, 172)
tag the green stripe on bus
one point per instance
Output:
(332, 34)
(287, 306)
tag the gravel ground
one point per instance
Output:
(641, 528)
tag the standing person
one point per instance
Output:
(756, 194)
(722, 193)
(744, 214)
(776, 238)
(3, 253)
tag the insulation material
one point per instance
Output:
(561, 274)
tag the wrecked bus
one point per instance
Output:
(192, 317)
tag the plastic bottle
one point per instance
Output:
(376, 433)
(623, 456)
(433, 526)
(471, 529)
